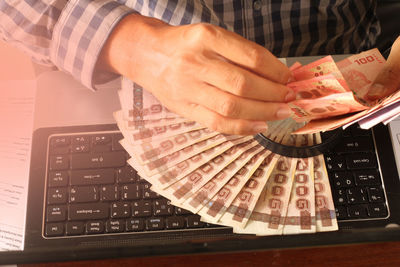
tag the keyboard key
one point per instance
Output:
(342, 179)
(80, 139)
(58, 163)
(120, 210)
(54, 229)
(98, 160)
(155, 224)
(357, 211)
(80, 148)
(162, 207)
(130, 192)
(135, 224)
(176, 222)
(101, 139)
(335, 163)
(148, 193)
(127, 174)
(339, 197)
(92, 177)
(83, 194)
(58, 179)
(180, 211)
(56, 213)
(95, 227)
(88, 211)
(350, 145)
(115, 226)
(375, 194)
(361, 161)
(141, 208)
(57, 195)
(75, 228)
(109, 193)
(367, 177)
(341, 212)
(356, 195)
(377, 210)
(60, 141)
(193, 221)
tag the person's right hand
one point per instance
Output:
(202, 72)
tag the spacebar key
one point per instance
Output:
(90, 211)
(98, 160)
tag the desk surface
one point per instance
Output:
(377, 254)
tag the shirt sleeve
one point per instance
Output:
(67, 34)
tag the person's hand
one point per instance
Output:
(388, 80)
(202, 72)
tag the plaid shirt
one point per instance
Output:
(71, 34)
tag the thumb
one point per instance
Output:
(388, 79)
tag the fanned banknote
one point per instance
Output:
(235, 181)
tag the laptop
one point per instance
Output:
(78, 209)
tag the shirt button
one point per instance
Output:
(257, 5)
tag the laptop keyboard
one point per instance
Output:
(90, 190)
(356, 183)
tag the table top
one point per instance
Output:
(373, 254)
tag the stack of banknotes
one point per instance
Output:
(233, 180)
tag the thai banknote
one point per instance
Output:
(361, 70)
(140, 105)
(268, 216)
(190, 184)
(243, 205)
(149, 134)
(217, 206)
(325, 215)
(160, 164)
(300, 215)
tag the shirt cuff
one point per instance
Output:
(80, 34)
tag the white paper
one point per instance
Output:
(17, 99)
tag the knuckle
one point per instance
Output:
(214, 123)
(256, 57)
(240, 128)
(284, 77)
(229, 108)
(238, 83)
(202, 31)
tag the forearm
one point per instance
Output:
(29, 27)
(67, 34)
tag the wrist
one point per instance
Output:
(123, 52)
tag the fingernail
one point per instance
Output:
(283, 113)
(375, 91)
(260, 127)
(290, 96)
(291, 78)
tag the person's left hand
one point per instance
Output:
(388, 80)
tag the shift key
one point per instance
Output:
(98, 160)
(90, 211)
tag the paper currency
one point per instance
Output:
(234, 181)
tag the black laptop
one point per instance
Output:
(85, 202)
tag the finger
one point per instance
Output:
(222, 124)
(238, 81)
(236, 107)
(240, 51)
(388, 79)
